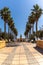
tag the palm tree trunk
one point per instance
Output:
(32, 28)
(30, 31)
(27, 36)
(5, 30)
(36, 28)
(8, 33)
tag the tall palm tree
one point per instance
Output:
(10, 24)
(37, 11)
(25, 34)
(28, 28)
(31, 20)
(5, 14)
(15, 32)
(10, 21)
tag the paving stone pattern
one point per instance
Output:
(22, 54)
(30, 58)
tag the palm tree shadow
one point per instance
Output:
(39, 49)
(12, 45)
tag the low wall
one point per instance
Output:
(2, 44)
(40, 43)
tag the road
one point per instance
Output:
(21, 54)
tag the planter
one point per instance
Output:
(2, 44)
(40, 43)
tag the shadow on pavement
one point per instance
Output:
(39, 49)
(12, 45)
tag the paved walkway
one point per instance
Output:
(22, 54)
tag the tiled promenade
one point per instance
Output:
(23, 54)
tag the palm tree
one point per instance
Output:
(15, 32)
(28, 28)
(5, 14)
(25, 34)
(37, 12)
(10, 24)
(31, 20)
(10, 21)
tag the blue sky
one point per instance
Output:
(20, 10)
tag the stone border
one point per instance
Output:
(40, 43)
(2, 44)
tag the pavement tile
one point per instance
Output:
(33, 64)
(40, 59)
(22, 58)
(23, 62)
(37, 57)
(15, 62)
(2, 58)
(40, 63)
